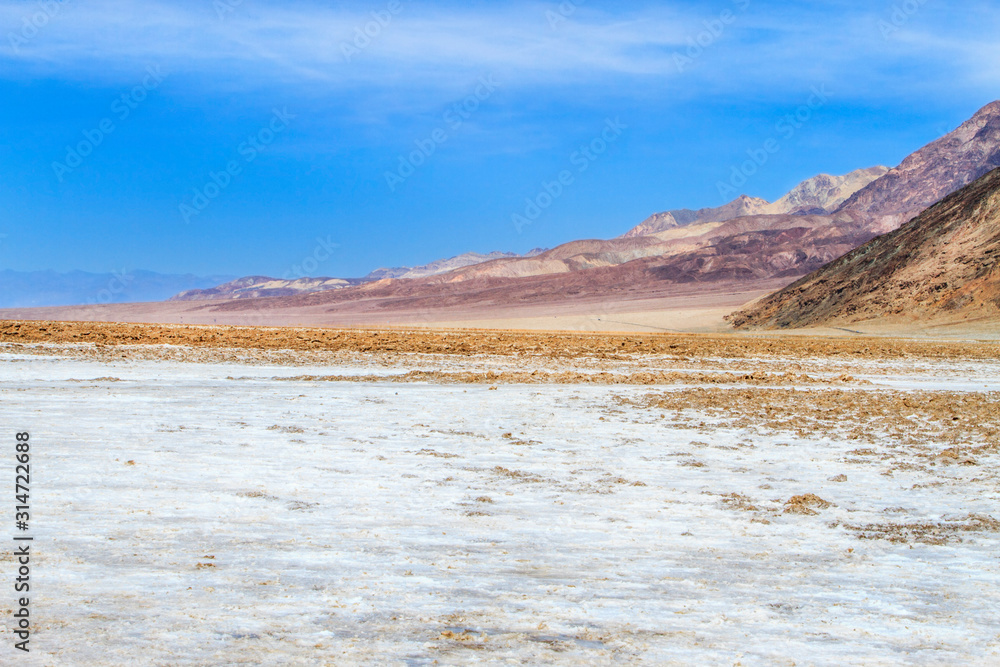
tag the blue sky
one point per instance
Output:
(247, 136)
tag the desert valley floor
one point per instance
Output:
(210, 496)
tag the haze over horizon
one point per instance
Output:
(228, 137)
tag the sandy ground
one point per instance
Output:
(689, 309)
(681, 320)
(218, 495)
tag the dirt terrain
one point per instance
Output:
(105, 337)
(548, 302)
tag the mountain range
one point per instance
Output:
(255, 287)
(747, 239)
(445, 265)
(819, 194)
(665, 234)
(944, 264)
(749, 246)
(29, 289)
(814, 223)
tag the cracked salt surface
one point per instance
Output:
(182, 518)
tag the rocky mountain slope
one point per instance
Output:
(945, 264)
(820, 194)
(934, 171)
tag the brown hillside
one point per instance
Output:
(943, 265)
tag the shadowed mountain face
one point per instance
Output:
(934, 171)
(943, 265)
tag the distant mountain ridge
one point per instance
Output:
(28, 289)
(825, 193)
(445, 265)
(943, 264)
(820, 194)
(253, 287)
(742, 206)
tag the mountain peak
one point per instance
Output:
(934, 171)
(991, 110)
(819, 194)
(824, 193)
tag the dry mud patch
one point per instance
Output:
(934, 439)
(105, 337)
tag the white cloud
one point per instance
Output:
(769, 46)
(308, 42)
